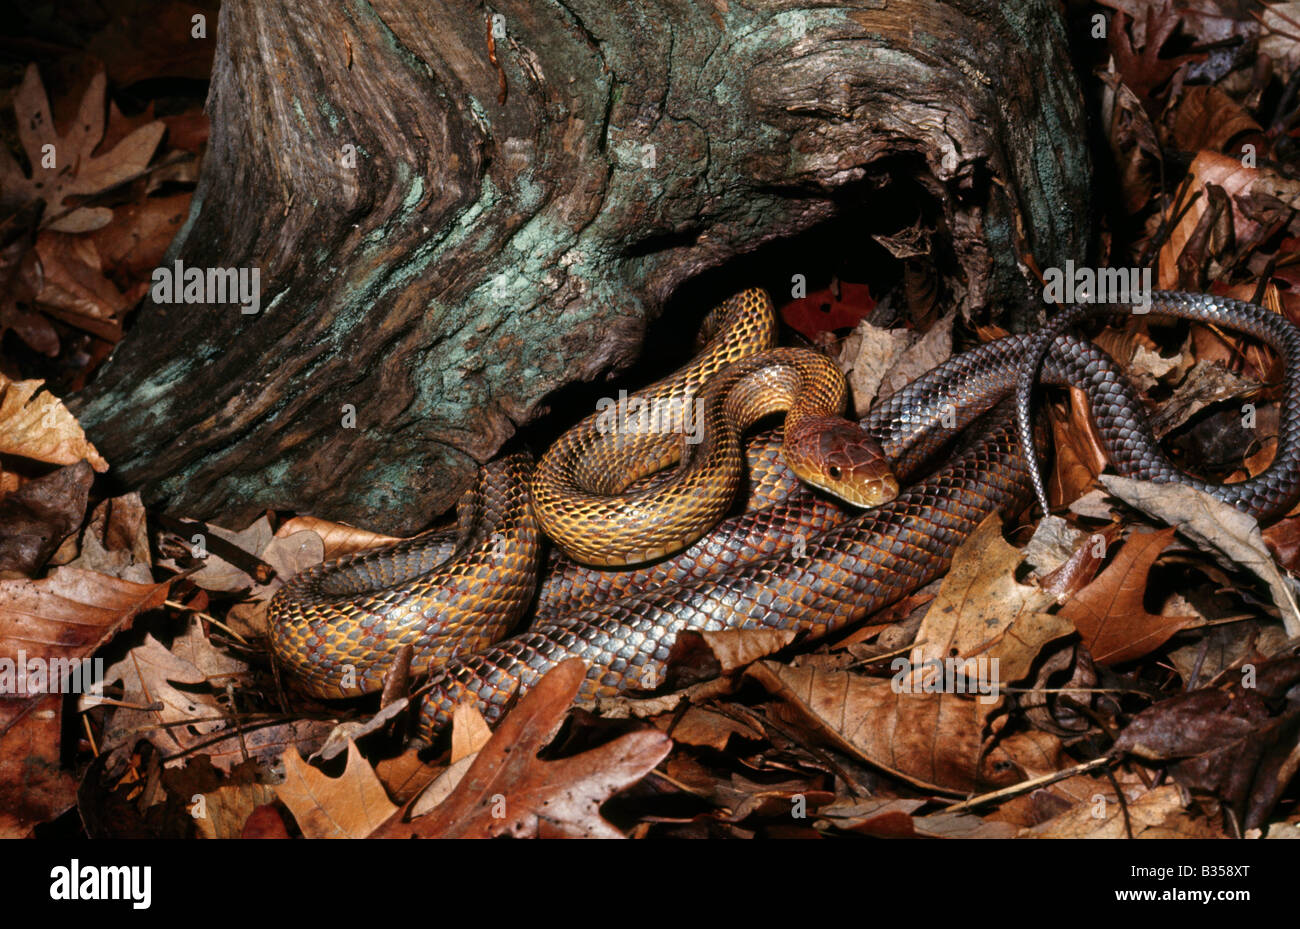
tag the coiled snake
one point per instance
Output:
(794, 560)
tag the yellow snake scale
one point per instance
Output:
(794, 560)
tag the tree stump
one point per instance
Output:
(457, 209)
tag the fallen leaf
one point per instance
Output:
(508, 790)
(37, 517)
(1080, 456)
(1155, 814)
(1145, 71)
(1109, 612)
(39, 426)
(700, 726)
(74, 289)
(1223, 530)
(116, 541)
(227, 810)
(65, 165)
(265, 822)
(866, 357)
(350, 806)
(1226, 646)
(1279, 36)
(1230, 174)
(338, 539)
(1226, 742)
(1206, 118)
(983, 612)
(173, 720)
(924, 354)
(220, 575)
(935, 740)
(34, 787)
(406, 776)
(352, 730)
(822, 311)
(469, 732)
(62, 619)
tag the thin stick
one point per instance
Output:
(1026, 786)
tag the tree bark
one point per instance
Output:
(509, 229)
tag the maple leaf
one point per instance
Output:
(509, 791)
(65, 165)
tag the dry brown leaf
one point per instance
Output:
(20, 279)
(352, 730)
(733, 649)
(64, 618)
(933, 740)
(74, 289)
(700, 726)
(135, 241)
(34, 788)
(1155, 814)
(39, 426)
(226, 810)
(176, 720)
(116, 540)
(469, 732)
(983, 611)
(264, 742)
(1080, 456)
(867, 355)
(1214, 526)
(67, 616)
(219, 574)
(1208, 168)
(350, 806)
(927, 352)
(65, 166)
(1146, 70)
(1204, 117)
(406, 776)
(338, 539)
(509, 791)
(1279, 36)
(1109, 613)
(36, 518)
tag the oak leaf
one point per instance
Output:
(65, 165)
(350, 806)
(508, 790)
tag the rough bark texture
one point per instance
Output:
(484, 252)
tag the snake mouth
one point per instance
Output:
(857, 491)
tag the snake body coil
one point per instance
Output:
(747, 573)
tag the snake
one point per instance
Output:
(801, 561)
(583, 491)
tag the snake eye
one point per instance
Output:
(834, 472)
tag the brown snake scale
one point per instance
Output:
(793, 560)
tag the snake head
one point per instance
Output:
(841, 458)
